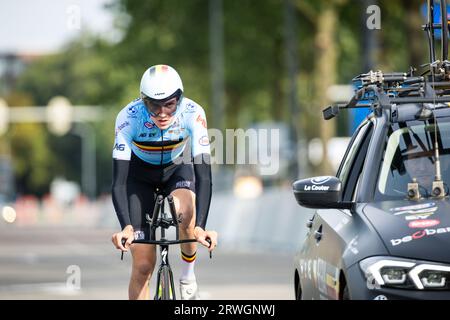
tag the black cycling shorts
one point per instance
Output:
(142, 182)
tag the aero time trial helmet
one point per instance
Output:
(161, 82)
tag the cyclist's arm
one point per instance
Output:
(202, 166)
(203, 188)
(121, 161)
(119, 191)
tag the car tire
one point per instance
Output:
(298, 292)
(345, 293)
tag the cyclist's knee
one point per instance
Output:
(144, 259)
(187, 216)
(144, 267)
(188, 224)
(185, 206)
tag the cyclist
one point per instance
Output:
(151, 150)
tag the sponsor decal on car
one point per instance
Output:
(316, 188)
(416, 212)
(424, 223)
(320, 180)
(327, 278)
(425, 207)
(419, 235)
(419, 216)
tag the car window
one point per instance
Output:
(351, 152)
(353, 162)
(409, 154)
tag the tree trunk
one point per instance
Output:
(417, 39)
(325, 75)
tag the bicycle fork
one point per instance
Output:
(165, 289)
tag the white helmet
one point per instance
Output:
(161, 82)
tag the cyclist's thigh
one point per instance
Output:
(141, 202)
(180, 176)
(181, 186)
(184, 200)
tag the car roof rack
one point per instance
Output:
(377, 90)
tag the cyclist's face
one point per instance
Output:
(162, 113)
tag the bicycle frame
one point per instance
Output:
(165, 289)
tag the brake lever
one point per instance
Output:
(209, 241)
(123, 244)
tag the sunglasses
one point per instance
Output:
(156, 108)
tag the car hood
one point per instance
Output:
(413, 229)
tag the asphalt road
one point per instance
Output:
(77, 263)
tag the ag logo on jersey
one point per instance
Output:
(132, 111)
(119, 147)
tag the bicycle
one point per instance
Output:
(165, 289)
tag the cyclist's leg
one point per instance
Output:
(184, 200)
(182, 187)
(144, 256)
(144, 259)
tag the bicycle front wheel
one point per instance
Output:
(164, 288)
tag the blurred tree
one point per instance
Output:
(323, 15)
(93, 71)
(27, 144)
(85, 75)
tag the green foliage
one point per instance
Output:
(91, 71)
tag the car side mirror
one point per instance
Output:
(320, 193)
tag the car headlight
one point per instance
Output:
(405, 274)
(430, 276)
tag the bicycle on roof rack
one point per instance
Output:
(165, 289)
(378, 89)
(430, 88)
(379, 223)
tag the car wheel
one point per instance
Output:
(298, 292)
(345, 293)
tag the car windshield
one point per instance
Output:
(409, 155)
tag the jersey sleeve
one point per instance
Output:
(124, 137)
(202, 166)
(119, 191)
(199, 133)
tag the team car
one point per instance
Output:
(381, 228)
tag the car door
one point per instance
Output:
(330, 225)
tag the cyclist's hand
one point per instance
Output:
(126, 235)
(202, 236)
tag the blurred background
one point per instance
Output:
(68, 67)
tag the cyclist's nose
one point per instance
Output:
(163, 115)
